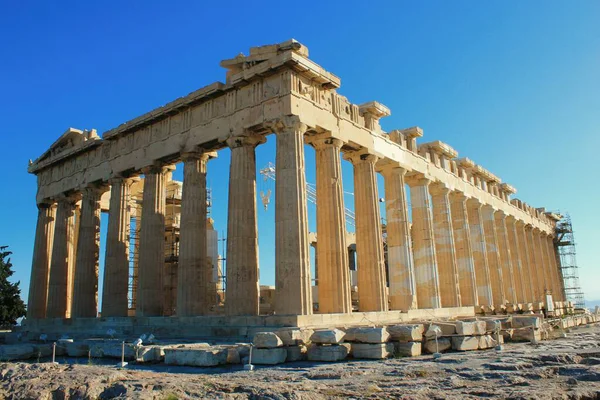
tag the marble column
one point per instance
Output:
(42, 253)
(464, 253)
(517, 262)
(541, 272)
(59, 297)
(493, 255)
(426, 267)
(555, 264)
(292, 257)
(550, 275)
(372, 294)
(506, 265)
(533, 265)
(116, 259)
(529, 270)
(242, 230)
(150, 296)
(403, 291)
(478, 245)
(525, 262)
(85, 285)
(194, 273)
(445, 247)
(332, 251)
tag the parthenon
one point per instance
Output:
(454, 236)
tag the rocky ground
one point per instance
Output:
(566, 368)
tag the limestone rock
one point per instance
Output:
(150, 354)
(269, 356)
(367, 335)
(9, 352)
(522, 321)
(526, 335)
(487, 342)
(448, 328)
(465, 328)
(406, 333)
(233, 356)
(327, 352)
(374, 351)
(409, 349)
(327, 336)
(266, 340)
(442, 345)
(111, 349)
(295, 336)
(198, 357)
(464, 343)
(296, 353)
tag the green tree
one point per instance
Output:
(11, 305)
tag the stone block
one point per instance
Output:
(150, 354)
(442, 345)
(269, 356)
(76, 349)
(448, 328)
(233, 355)
(327, 352)
(409, 349)
(406, 333)
(266, 340)
(464, 343)
(526, 335)
(372, 351)
(490, 324)
(327, 336)
(10, 352)
(111, 349)
(487, 342)
(522, 321)
(196, 357)
(296, 353)
(466, 328)
(243, 349)
(43, 349)
(295, 336)
(367, 335)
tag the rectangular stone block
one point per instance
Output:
(367, 335)
(266, 340)
(267, 356)
(408, 349)
(487, 342)
(406, 333)
(465, 343)
(372, 351)
(296, 353)
(76, 349)
(526, 335)
(327, 352)
(327, 336)
(196, 357)
(521, 321)
(448, 328)
(12, 352)
(294, 336)
(443, 344)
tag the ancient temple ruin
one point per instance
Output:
(465, 248)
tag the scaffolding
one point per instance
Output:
(564, 244)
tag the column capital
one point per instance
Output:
(457, 195)
(286, 124)
(438, 188)
(46, 203)
(417, 179)
(70, 197)
(500, 214)
(357, 157)
(94, 190)
(386, 167)
(245, 141)
(127, 180)
(157, 168)
(321, 141)
(474, 202)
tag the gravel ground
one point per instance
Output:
(566, 368)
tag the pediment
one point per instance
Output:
(69, 141)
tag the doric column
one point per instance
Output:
(445, 249)
(426, 268)
(506, 265)
(493, 255)
(62, 249)
(403, 292)
(150, 295)
(116, 260)
(292, 257)
(517, 262)
(85, 285)
(529, 253)
(550, 275)
(540, 272)
(332, 251)
(369, 240)
(194, 272)
(478, 242)
(464, 253)
(40, 269)
(525, 262)
(555, 264)
(242, 231)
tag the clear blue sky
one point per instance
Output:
(514, 86)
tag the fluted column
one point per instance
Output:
(493, 255)
(332, 251)
(426, 267)
(369, 240)
(527, 240)
(85, 285)
(242, 231)
(116, 260)
(464, 253)
(550, 275)
(555, 264)
(525, 262)
(194, 272)
(478, 242)
(59, 297)
(403, 291)
(150, 296)
(541, 272)
(517, 262)
(40, 269)
(445, 249)
(506, 265)
(292, 257)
